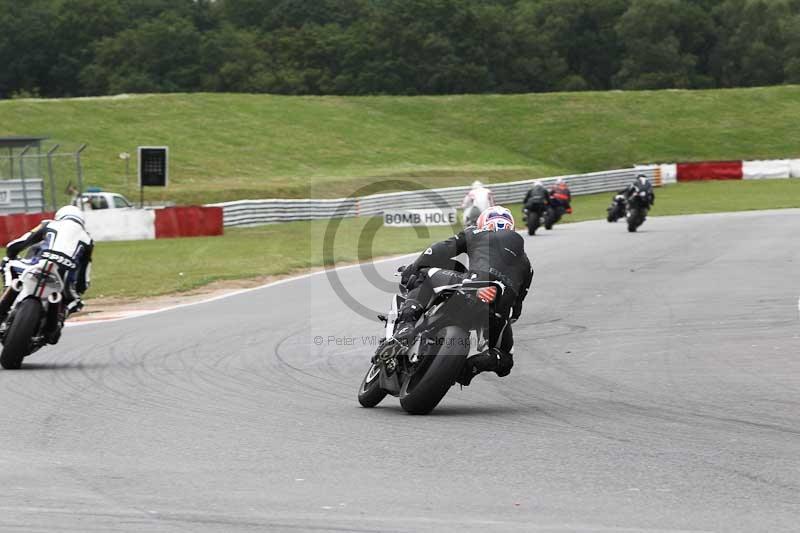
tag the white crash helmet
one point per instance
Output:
(70, 212)
(495, 218)
(477, 184)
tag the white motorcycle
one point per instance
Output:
(470, 216)
(40, 293)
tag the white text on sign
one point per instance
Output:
(419, 217)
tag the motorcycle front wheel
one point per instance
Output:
(633, 220)
(17, 343)
(370, 392)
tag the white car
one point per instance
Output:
(103, 200)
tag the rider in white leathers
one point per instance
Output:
(476, 202)
(65, 237)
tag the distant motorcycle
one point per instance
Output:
(553, 214)
(471, 215)
(422, 372)
(637, 207)
(40, 289)
(533, 216)
(617, 208)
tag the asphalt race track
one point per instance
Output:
(656, 388)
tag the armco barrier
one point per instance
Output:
(17, 196)
(192, 221)
(254, 212)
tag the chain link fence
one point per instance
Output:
(40, 178)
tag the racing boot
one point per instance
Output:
(407, 316)
(493, 359)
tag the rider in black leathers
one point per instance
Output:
(641, 183)
(496, 255)
(538, 194)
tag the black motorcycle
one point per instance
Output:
(637, 208)
(420, 372)
(534, 213)
(617, 208)
(553, 214)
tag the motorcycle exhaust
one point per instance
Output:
(54, 297)
(16, 285)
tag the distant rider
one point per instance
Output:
(561, 196)
(536, 196)
(496, 253)
(641, 183)
(477, 200)
(65, 237)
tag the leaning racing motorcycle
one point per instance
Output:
(637, 207)
(39, 289)
(421, 371)
(471, 214)
(533, 216)
(554, 212)
(617, 208)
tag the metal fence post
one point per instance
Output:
(52, 178)
(80, 174)
(22, 177)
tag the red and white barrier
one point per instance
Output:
(12, 226)
(710, 170)
(766, 170)
(121, 224)
(191, 221)
(725, 170)
(129, 224)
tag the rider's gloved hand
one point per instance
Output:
(408, 273)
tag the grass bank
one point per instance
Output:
(146, 268)
(233, 146)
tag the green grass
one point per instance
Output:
(226, 146)
(173, 265)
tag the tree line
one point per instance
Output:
(57, 48)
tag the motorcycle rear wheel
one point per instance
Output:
(422, 391)
(18, 339)
(549, 219)
(533, 224)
